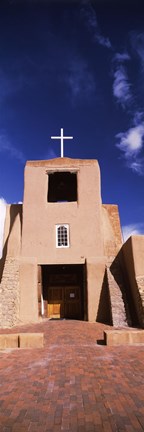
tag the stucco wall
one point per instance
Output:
(12, 230)
(95, 279)
(28, 272)
(94, 235)
(111, 230)
(40, 217)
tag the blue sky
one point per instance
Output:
(77, 65)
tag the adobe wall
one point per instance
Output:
(40, 217)
(95, 235)
(133, 252)
(28, 303)
(95, 279)
(111, 230)
(12, 230)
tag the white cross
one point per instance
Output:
(62, 137)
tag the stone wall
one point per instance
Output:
(118, 305)
(140, 298)
(9, 293)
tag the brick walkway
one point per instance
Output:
(72, 384)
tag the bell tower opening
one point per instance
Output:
(62, 187)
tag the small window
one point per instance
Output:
(62, 236)
(62, 187)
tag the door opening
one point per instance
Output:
(64, 290)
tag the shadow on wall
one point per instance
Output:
(104, 314)
(15, 210)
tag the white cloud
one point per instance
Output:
(6, 146)
(132, 229)
(122, 57)
(137, 40)
(90, 19)
(131, 142)
(138, 118)
(104, 41)
(80, 81)
(137, 166)
(87, 11)
(52, 154)
(121, 86)
(2, 223)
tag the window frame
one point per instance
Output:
(68, 241)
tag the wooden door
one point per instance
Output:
(72, 302)
(55, 302)
(64, 302)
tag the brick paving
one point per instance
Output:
(73, 383)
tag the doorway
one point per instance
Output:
(64, 290)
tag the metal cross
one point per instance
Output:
(62, 137)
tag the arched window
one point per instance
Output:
(62, 236)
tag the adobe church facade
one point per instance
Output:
(63, 254)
